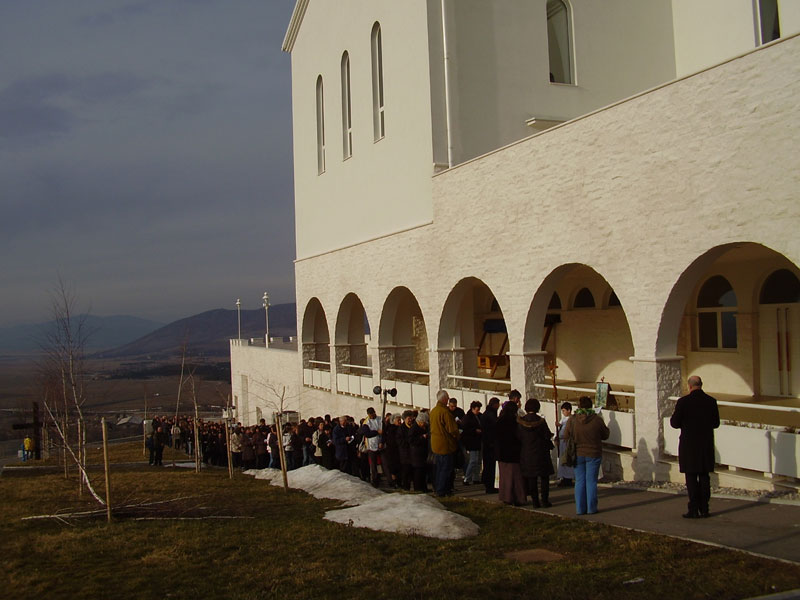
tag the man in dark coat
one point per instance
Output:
(697, 416)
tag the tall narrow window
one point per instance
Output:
(347, 117)
(768, 17)
(716, 314)
(558, 41)
(320, 128)
(377, 83)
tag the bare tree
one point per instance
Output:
(64, 374)
(277, 400)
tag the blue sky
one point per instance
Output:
(145, 155)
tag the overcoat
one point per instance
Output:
(535, 436)
(697, 416)
(506, 443)
(470, 425)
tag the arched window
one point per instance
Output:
(555, 302)
(584, 299)
(320, 128)
(716, 314)
(347, 118)
(781, 287)
(613, 300)
(559, 41)
(769, 20)
(377, 83)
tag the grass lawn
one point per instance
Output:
(283, 548)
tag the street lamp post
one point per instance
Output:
(265, 304)
(239, 316)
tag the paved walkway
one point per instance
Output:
(766, 529)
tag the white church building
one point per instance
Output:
(490, 193)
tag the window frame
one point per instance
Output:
(347, 108)
(378, 98)
(320, 117)
(718, 311)
(569, 65)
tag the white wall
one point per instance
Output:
(500, 66)
(385, 186)
(710, 31)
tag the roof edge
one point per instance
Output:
(294, 25)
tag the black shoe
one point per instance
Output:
(704, 514)
(546, 505)
(536, 505)
(492, 491)
(691, 515)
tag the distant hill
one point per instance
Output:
(104, 332)
(207, 333)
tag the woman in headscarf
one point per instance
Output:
(535, 461)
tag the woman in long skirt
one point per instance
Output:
(565, 474)
(507, 447)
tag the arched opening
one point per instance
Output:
(376, 45)
(316, 346)
(403, 349)
(352, 337)
(586, 343)
(559, 41)
(347, 112)
(726, 317)
(473, 341)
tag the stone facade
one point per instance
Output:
(648, 194)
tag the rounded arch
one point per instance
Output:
(764, 259)
(351, 336)
(472, 330)
(400, 307)
(351, 322)
(402, 335)
(699, 308)
(315, 336)
(585, 339)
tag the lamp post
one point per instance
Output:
(265, 304)
(239, 316)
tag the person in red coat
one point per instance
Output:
(697, 416)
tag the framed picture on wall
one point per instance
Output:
(601, 394)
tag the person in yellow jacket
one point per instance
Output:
(444, 445)
(27, 446)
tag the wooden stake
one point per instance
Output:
(107, 470)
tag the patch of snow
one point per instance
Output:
(410, 514)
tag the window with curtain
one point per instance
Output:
(559, 41)
(347, 117)
(320, 127)
(716, 314)
(378, 122)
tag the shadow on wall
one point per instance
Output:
(644, 467)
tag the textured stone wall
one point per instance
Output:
(637, 191)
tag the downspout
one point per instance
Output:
(446, 53)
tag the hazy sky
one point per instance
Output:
(145, 155)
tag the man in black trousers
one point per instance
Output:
(697, 416)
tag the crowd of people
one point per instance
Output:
(421, 449)
(413, 449)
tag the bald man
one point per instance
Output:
(697, 416)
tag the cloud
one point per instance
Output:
(145, 154)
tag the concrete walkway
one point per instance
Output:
(765, 529)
